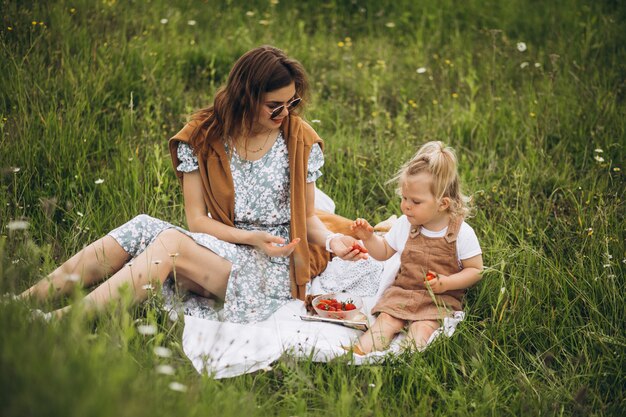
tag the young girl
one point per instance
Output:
(251, 163)
(441, 256)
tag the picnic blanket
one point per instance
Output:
(223, 349)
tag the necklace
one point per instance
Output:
(262, 146)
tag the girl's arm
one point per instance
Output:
(317, 231)
(376, 245)
(468, 276)
(199, 222)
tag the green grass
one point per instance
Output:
(96, 88)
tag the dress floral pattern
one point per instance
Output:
(258, 284)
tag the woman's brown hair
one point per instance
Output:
(237, 104)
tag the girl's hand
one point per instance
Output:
(267, 243)
(435, 282)
(343, 247)
(362, 229)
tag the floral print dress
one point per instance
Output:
(258, 284)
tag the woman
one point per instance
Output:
(248, 166)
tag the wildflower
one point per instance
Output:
(598, 158)
(390, 25)
(616, 169)
(532, 114)
(72, 277)
(148, 287)
(521, 46)
(177, 386)
(273, 2)
(165, 370)
(421, 70)
(147, 329)
(162, 352)
(34, 23)
(264, 22)
(359, 65)
(79, 214)
(372, 385)
(523, 65)
(164, 21)
(72, 10)
(537, 65)
(448, 62)
(173, 315)
(412, 103)
(455, 95)
(191, 22)
(598, 150)
(589, 231)
(9, 28)
(502, 290)
(348, 39)
(435, 102)
(340, 44)
(99, 181)
(249, 13)
(17, 225)
(606, 265)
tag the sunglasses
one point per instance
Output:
(276, 111)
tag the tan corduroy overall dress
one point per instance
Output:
(408, 298)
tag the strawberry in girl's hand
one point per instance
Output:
(430, 276)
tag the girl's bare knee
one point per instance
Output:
(391, 321)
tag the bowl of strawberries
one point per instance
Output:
(340, 306)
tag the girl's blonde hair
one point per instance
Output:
(438, 160)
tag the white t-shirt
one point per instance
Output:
(467, 244)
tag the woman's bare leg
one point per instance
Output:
(171, 251)
(380, 335)
(420, 332)
(87, 267)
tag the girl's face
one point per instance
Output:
(419, 204)
(281, 97)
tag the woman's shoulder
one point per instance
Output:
(184, 134)
(309, 135)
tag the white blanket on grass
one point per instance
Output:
(224, 350)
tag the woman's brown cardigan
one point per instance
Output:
(219, 193)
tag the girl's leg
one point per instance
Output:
(171, 251)
(380, 334)
(420, 332)
(89, 266)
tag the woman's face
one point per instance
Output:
(271, 100)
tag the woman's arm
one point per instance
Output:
(317, 231)
(199, 221)
(468, 276)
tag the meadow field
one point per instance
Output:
(531, 94)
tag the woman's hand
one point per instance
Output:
(268, 244)
(344, 247)
(362, 229)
